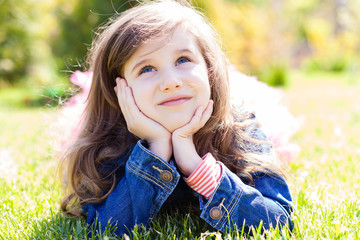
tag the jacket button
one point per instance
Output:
(215, 213)
(166, 176)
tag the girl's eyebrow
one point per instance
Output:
(185, 50)
(139, 64)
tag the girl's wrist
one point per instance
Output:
(191, 166)
(162, 149)
(186, 156)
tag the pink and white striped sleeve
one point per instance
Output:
(205, 177)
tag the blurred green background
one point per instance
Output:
(42, 42)
(310, 48)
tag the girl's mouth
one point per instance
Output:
(176, 100)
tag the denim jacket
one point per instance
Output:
(147, 183)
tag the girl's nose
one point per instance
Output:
(170, 81)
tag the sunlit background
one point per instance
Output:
(42, 41)
(308, 50)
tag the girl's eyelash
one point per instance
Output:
(145, 68)
(183, 58)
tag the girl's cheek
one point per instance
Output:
(140, 92)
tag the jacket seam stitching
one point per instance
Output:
(153, 209)
(155, 156)
(144, 175)
(212, 197)
(231, 206)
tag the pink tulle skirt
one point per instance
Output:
(267, 103)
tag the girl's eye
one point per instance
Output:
(182, 60)
(147, 69)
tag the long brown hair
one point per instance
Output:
(105, 135)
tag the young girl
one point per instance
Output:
(159, 129)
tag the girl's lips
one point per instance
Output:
(175, 101)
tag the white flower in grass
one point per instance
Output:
(8, 167)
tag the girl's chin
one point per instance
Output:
(172, 128)
(175, 125)
(176, 120)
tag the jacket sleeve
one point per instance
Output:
(146, 184)
(268, 201)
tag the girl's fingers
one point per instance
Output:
(191, 127)
(198, 120)
(201, 116)
(126, 99)
(207, 113)
(197, 116)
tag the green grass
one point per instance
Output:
(324, 180)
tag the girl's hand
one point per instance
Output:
(186, 157)
(158, 137)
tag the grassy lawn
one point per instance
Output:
(324, 180)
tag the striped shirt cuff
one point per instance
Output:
(205, 177)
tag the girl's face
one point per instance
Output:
(169, 79)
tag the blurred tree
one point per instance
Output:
(14, 41)
(264, 38)
(327, 33)
(39, 39)
(77, 21)
(24, 49)
(255, 36)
